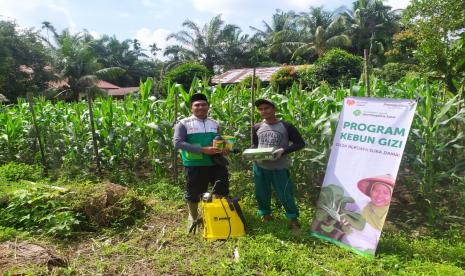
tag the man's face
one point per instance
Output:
(200, 109)
(380, 194)
(266, 111)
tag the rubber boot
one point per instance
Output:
(193, 208)
(295, 226)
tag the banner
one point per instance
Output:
(360, 177)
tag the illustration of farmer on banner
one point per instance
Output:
(379, 190)
(339, 216)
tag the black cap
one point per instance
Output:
(198, 97)
(264, 101)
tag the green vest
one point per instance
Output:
(201, 133)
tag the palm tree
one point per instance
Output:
(127, 54)
(324, 38)
(372, 23)
(48, 27)
(154, 49)
(237, 51)
(204, 44)
(75, 63)
(273, 37)
(308, 22)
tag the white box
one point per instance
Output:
(258, 154)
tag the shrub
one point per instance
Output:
(282, 79)
(185, 73)
(247, 82)
(167, 191)
(306, 75)
(337, 67)
(19, 171)
(394, 71)
(109, 205)
(42, 210)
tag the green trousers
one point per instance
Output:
(283, 187)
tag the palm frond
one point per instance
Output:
(110, 72)
(339, 41)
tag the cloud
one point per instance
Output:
(31, 12)
(226, 7)
(123, 14)
(303, 4)
(63, 10)
(95, 34)
(148, 37)
(13, 10)
(397, 4)
(148, 3)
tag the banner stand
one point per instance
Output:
(341, 244)
(361, 173)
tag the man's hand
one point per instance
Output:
(277, 153)
(225, 151)
(210, 150)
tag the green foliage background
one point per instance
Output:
(135, 135)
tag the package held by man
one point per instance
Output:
(258, 154)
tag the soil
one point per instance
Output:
(22, 254)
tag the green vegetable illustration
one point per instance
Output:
(332, 219)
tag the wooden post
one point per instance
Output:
(92, 129)
(37, 131)
(461, 96)
(367, 75)
(175, 154)
(252, 101)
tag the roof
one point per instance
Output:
(26, 69)
(100, 84)
(237, 75)
(113, 90)
(58, 84)
(122, 91)
(29, 70)
(106, 85)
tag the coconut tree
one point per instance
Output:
(75, 63)
(335, 35)
(126, 54)
(274, 36)
(237, 51)
(203, 44)
(308, 22)
(372, 25)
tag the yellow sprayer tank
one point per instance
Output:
(221, 219)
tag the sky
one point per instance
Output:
(152, 20)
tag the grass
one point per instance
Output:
(158, 244)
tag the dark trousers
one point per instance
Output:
(199, 177)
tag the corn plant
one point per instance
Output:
(17, 141)
(135, 134)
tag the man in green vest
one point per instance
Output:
(193, 136)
